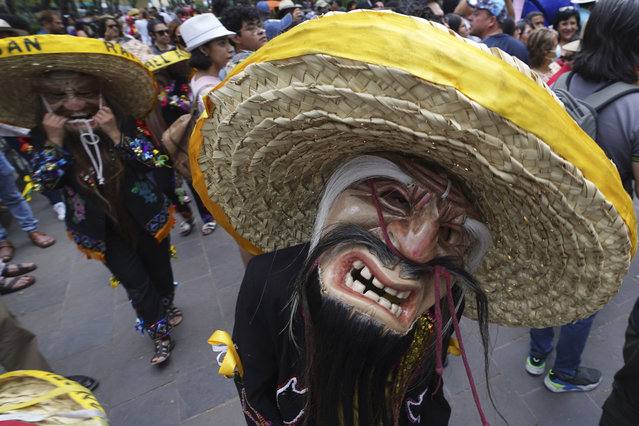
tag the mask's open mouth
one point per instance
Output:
(357, 278)
(361, 280)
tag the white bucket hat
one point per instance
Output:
(201, 29)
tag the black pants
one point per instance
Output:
(144, 271)
(622, 406)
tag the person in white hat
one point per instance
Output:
(211, 49)
(210, 46)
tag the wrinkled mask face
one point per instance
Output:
(424, 222)
(70, 94)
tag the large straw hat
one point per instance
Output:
(563, 227)
(166, 59)
(23, 60)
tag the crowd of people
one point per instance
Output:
(107, 137)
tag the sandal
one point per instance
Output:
(16, 284)
(173, 315)
(163, 347)
(185, 227)
(208, 228)
(13, 270)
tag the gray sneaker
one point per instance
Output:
(585, 379)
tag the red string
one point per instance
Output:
(439, 369)
(451, 307)
(439, 271)
(380, 217)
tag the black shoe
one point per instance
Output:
(86, 381)
(585, 379)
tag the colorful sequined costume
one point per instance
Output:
(141, 262)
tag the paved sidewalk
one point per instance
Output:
(85, 327)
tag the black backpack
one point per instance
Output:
(584, 112)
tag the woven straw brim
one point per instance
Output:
(123, 78)
(278, 130)
(25, 386)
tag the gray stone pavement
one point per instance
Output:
(85, 327)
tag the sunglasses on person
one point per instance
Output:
(161, 32)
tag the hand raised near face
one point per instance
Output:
(298, 15)
(106, 120)
(54, 128)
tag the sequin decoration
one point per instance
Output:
(145, 190)
(413, 359)
(114, 282)
(159, 220)
(141, 150)
(50, 164)
(88, 244)
(79, 211)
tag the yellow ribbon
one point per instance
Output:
(114, 282)
(28, 188)
(453, 347)
(231, 359)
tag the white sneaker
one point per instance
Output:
(60, 210)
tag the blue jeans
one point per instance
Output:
(11, 197)
(570, 346)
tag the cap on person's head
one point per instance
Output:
(321, 4)
(497, 8)
(274, 27)
(201, 29)
(6, 27)
(287, 4)
(133, 12)
(179, 10)
(263, 7)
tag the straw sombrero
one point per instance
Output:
(24, 59)
(166, 59)
(563, 227)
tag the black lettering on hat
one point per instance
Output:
(13, 45)
(110, 47)
(32, 43)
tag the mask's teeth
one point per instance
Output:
(349, 280)
(403, 294)
(371, 295)
(395, 310)
(358, 264)
(391, 291)
(377, 284)
(366, 273)
(385, 303)
(359, 287)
